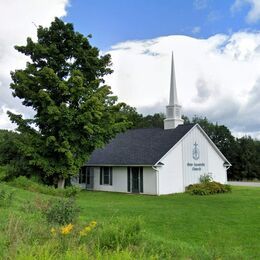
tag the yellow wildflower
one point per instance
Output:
(66, 229)
(93, 223)
(88, 228)
(82, 233)
(53, 231)
(85, 230)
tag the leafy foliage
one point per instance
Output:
(3, 173)
(246, 159)
(208, 188)
(61, 211)
(205, 178)
(6, 197)
(15, 155)
(140, 121)
(74, 111)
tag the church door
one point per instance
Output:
(89, 178)
(135, 179)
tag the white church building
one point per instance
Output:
(154, 160)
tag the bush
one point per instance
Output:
(71, 191)
(28, 184)
(205, 178)
(6, 197)
(61, 211)
(208, 188)
(120, 234)
(3, 173)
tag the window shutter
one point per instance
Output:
(80, 174)
(128, 179)
(101, 176)
(84, 171)
(141, 180)
(111, 176)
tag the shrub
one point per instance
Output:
(28, 184)
(227, 188)
(3, 173)
(71, 191)
(120, 234)
(205, 178)
(6, 197)
(61, 211)
(208, 188)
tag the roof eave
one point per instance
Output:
(118, 165)
(214, 146)
(156, 164)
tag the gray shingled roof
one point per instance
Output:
(144, 146)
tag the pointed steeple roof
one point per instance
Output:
(173, 91)
(173, 110)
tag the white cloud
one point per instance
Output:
(216, 77)
(213, 16)
(196, 30)
(200, 4)
(4, 119)
(18, 19)
(253, 15)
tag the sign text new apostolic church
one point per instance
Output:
(196, 166)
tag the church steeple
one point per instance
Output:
(173, 92)
(173, 110)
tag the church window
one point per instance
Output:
(106, 175)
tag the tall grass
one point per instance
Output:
(167, 227)
(30, 185)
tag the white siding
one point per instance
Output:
(192, 172)
(149, 180)
(180, 168)
(219, 172)
(170, 174)
(209, 160)
(119, 183)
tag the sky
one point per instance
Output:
(216, 47)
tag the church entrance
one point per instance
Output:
(89, 178)
(135, 179)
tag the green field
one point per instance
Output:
(224, 226)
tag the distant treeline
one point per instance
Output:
(243, 153)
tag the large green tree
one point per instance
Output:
(247, 159)
(75, 112)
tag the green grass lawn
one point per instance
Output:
(227, 224)
(224, 226)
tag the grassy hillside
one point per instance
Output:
(225, 226)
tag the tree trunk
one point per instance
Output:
(61, 183)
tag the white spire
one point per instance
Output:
(173, 92)
(173, 110)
